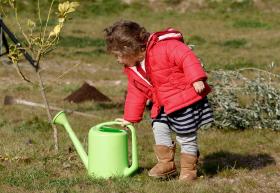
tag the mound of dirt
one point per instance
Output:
(87, 92)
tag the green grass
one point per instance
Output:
(33, 125)
(235, 156)
(232, 5)
(235, 43)
(250, 24)
(196, 40)
(68, 88)
(81, 42)
(228, 35)
(107, 7)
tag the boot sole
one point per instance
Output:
(164, 176)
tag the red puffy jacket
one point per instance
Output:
(171, 68)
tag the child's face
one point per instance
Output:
(129, 60)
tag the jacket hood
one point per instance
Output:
(167, 34)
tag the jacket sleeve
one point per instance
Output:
(183, 56)
(135, 103)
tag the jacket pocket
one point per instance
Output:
(179, 83)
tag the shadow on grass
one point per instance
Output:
(222, 160)
(145, 170)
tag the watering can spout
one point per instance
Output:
(61, 119)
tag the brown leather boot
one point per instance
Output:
(188, 167)
(166, 165)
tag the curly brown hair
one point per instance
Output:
(126, 37)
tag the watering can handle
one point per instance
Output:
(108, 123)
(134, 163)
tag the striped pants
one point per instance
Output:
(188, 142)
(185, 123)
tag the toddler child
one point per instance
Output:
(161, 68)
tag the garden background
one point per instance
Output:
(238, 43)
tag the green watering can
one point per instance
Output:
(107, 149)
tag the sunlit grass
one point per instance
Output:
(230, 36)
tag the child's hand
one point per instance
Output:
(122, 121)
(199, 86)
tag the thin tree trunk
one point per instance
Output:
(42, 90)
